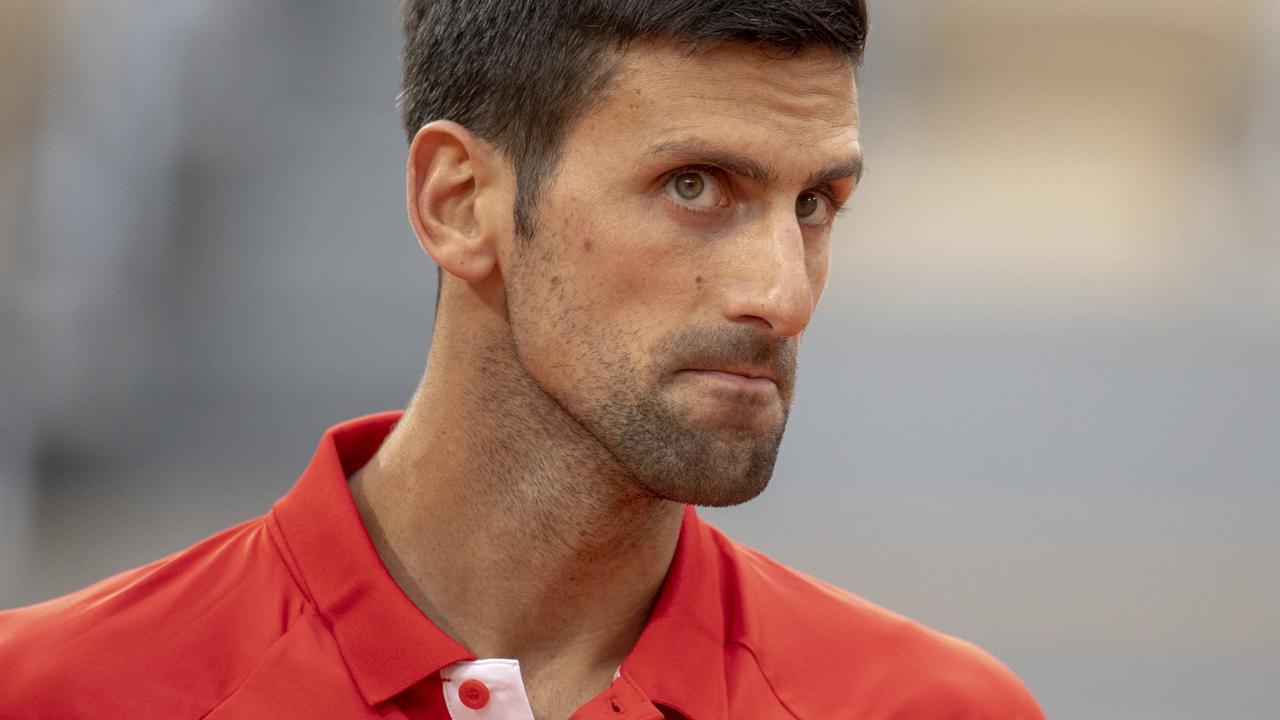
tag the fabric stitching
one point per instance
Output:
(285, 552)
(765, 675)
(256, 668)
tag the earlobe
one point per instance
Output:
(448, 181)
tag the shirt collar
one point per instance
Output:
(387, 642)
(679, 659)
(389, 645)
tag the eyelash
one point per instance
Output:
(721, 177)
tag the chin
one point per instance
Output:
(711, 491)
(711, 474)
(697, 451)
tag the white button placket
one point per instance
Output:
(489, 689)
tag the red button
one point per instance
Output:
(473, 693)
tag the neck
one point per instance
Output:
(510, 526)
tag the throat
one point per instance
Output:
(510, 526)
(530, 566)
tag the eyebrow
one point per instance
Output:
(751, 169)
(849, 168)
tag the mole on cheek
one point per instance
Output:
(587, 245)
(698, 281)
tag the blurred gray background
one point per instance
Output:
(1039, 408)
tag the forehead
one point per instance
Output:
(745, 97)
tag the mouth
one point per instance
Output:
(749, 380)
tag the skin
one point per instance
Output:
(585, 382)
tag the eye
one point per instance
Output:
(814, 208)
(695, 189)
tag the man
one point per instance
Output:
(631, 206)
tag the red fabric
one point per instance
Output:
(293, 615)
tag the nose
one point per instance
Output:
(772, 286)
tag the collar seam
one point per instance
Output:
(767, 681)
(257, 667)
(288, 559)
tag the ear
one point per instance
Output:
(457, 185)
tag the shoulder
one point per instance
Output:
(154, 640)
(802, 632)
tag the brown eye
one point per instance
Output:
(696, 190)
(689, 185)
(812, 208)
(806, 204)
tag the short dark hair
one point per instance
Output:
(518, 73)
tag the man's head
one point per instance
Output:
(518, 73)
(636, 199)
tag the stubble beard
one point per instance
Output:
(676, 460)
(670, 454)
(626, 407)
(651, 437)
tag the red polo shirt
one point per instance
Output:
(293, 615)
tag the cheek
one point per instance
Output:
(622, 265)
(576, 295)
(638, 272)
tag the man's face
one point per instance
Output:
(681, 248)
